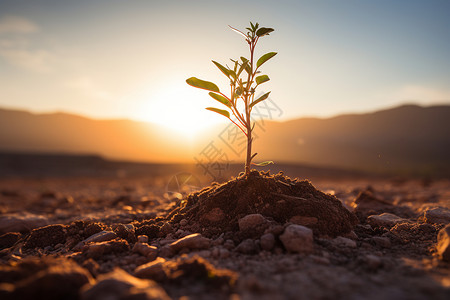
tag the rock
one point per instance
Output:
(21, 222)
(118, 284)
(385, 220)
(251, 222)
(443, 243)
(304, 221)
(224, 253)
(152, 270)
(143, 239)
(204, 253)
(381, 241)
(46, 236)
(247, 247)
(52, 279)
(344, 242)
(101, 236)
(372, 262)
(297, 238)
(219, 241)
(166, 251)
(228, 244)
(215, 252)
(146, 250)
(267, 241)
(275, 229)
(437, 215)
(96, 250)
(191, 242)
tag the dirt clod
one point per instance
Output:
(275, 197)
(46, 236)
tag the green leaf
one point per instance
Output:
(202, 84)
(264, 163)
(248, 69)
(238, 31)
(236, 63)
(220, 98)
(222, 68)
(265, 58)
(263, 31)
(243, 65)
(262, 79)
(233, 74)
(222, 112)
(262, 98)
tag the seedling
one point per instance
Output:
(241, 100)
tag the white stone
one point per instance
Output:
(193, 241)
(145, 250)
(267, 241)
(297, 238)
(385, 220)
(247, 247)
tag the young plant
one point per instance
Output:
(245, 77)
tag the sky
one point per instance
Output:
(110, 59)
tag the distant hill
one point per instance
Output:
(66, 133)
(402, 140)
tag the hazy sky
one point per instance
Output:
(130, 59)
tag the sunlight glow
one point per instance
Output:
(180, 110)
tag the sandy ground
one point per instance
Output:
(110, 225)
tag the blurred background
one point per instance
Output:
(357, 86)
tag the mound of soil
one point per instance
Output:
(277, 197)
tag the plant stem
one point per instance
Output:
(247, 111)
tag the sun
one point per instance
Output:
(181, 111)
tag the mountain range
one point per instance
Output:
(408, 139)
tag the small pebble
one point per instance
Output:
(143, 239)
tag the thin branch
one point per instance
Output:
(225, 96)
(238, 116)
(238, 126)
